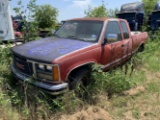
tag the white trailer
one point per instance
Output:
(6, 27)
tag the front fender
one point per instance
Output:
(87, 64)
(81, 58)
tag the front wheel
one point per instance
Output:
(80, 78)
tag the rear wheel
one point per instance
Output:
(141, 48)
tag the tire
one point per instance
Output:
(141, 48)
(80, 78)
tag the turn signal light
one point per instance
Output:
(55, 71)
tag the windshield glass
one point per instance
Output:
(128, 16)
(81, 30)
(155, 16)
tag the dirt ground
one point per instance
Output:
(90, 113)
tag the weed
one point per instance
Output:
(111, 82)
(136, 113)
(153, 87)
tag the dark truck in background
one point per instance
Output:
(155, 18)
(133, 13)
(61, 62)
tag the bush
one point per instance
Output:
(111, 82)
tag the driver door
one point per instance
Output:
(112, 51)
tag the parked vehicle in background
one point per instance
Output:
(18, 26)
(133, 13)
(63, 60)
(155, 18)
(6, 27)
(20, 23)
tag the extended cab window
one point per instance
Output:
(113, 28)
(81, 30)
(125, 30)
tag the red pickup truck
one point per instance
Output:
(60, 62)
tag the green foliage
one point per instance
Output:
(99, 11)
(136, 113)
(46, 16)
(152, 53)
(149, 6)
(5, 54)
(112, 12)
(28, 13)
(153, 87)
(111, 82)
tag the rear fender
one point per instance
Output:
(141, 47)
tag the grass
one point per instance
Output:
(136, 113)
(153, 87)
(142, 105)
(115, 92)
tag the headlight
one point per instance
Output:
(48, 72)
(41, 67)
(49, 68)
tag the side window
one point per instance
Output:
(113, 28)
(125, 30)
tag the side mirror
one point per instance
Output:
(111, 38)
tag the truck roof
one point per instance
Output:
(133, 7)
(94, 19)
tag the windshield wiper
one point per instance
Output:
(74, 37)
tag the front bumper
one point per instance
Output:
(49, 88)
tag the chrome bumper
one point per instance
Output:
(49, 88)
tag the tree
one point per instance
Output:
(46, 16)
(100, 11)
(112, 12)
(27, 12)
(149, 6)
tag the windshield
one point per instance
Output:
(155, 16)
(81, 30)
(128, 16)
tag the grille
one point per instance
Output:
(22, 65)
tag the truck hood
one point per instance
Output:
(48, 49)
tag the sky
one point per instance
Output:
(69, 9)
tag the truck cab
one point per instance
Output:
(133, 13)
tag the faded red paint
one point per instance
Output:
(106, 55)
(47, 51)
